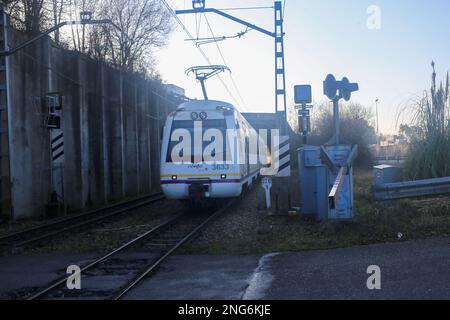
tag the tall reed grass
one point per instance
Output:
(429, 153)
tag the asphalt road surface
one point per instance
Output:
(409, 270)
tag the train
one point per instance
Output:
(210, 151)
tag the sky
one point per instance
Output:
(389, 54)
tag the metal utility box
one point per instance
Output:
(387, 174)
(313, 185)
(318, 180)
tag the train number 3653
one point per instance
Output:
(221, 167)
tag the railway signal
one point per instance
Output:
(343, 89)
(335, 91)
(303, 100)
(326, 171)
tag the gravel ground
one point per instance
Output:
(7, 228)
(242, 221)
(248, 229)
(112, 234)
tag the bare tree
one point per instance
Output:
(80, 34)
(13, 8)
(57, 8)
(140, 26)
(144, 25)
(32, 14)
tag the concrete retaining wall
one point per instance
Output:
(111, 124)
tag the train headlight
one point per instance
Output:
(220, 108)
(174, 178)
(223, 176)
(203, 115)
(194, 116)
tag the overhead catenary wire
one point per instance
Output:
(198, 48)
(225, 63)
(188, 33)
(245, 8)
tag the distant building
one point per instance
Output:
(390, 148)
(394, 140)
(175, 90)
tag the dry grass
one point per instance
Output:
(429, 155)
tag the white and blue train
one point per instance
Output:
(192, 169)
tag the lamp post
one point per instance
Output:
(378, 124)
(85, 19)
(376, 108)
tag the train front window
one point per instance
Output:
(186, 130)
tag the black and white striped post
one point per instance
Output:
(282, 154)
(57, 157)
(280, 176)
(54, 111)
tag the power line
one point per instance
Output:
(225, 63)
(199, 49)
(245, 8)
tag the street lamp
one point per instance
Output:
(198, 4)
(85, 19)
(378, 124)
(376, 107)
(85, 16)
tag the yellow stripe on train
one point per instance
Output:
(167, 176)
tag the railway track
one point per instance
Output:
(127, 266)
(59, 227)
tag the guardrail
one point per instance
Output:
(389, 158)
(412, 189)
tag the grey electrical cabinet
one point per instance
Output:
(387, 174)
(313, 183)
(324, 193)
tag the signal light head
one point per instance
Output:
(331, 88)
(347, 89)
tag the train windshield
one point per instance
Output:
(185, 129)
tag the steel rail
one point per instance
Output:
(47, 231)
(132, 284)
(147, 236)
(129, 244)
